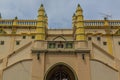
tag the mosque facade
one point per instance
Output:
(30, 50)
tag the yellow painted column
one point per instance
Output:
(12, 38)
(80, 30)
(109, 41)
(14, 26)
(108, 37)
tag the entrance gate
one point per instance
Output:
(60, 72)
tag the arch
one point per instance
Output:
(65, 69)
(17, 63)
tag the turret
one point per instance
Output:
(79, 24)
(46, 21)
(73, 20)
(41, 24)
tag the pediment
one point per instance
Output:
(59, 38)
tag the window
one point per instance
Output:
(60, 45)
(119, 42)
(98, 38)
(69, 45)
(24, 37)
(33, 37)
(104, 43)
(2, 42)
(17, 42)
(89, 38)
(51, 45)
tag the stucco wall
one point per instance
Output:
(19, 71)
(99, 71)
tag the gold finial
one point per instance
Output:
(79, 7)
(42, 5)
(16, 18)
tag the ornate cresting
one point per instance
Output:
(108, 36)
(41, 24)
(79, 24)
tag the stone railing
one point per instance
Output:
(6, 22)
(101, 22)
(18, 22)
(27, 22)
(93, 23)
(114, 22)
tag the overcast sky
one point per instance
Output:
(59, 11)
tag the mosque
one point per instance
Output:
(30, 50)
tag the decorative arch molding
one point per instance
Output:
(99, 61)
(60, 36)
(17, 63)
(60, 64)
(21, 70)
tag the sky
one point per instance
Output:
(60, 11)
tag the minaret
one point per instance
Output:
(73, 20)
(79, 24)
(41, 24)
(46, 21)
(74, 23)
(108, 36)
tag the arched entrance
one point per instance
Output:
(60, 72)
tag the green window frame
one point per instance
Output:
(51, 45)
(69, 45)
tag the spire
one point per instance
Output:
(41, 5)
(73, 20)
(0, 16)
(79, 10)
(79, 7)
(41, 11)
(16, 18)
(46, 15)
(74, 15)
